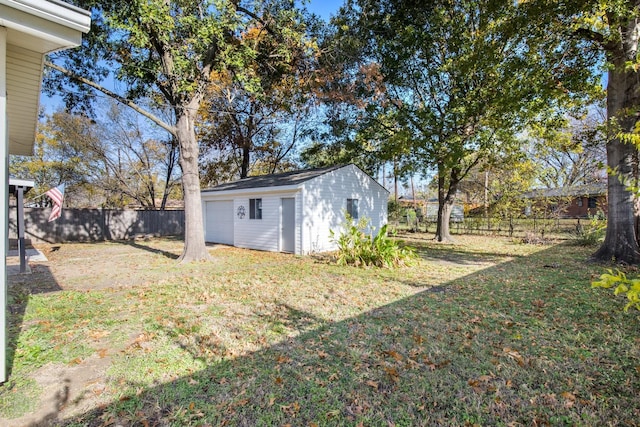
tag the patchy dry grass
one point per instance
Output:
(485, 332)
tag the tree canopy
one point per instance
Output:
(450, 84)
(169, 52)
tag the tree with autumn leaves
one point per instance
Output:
(169, 52)
(442, 86)
(464, 80)
(455, 85)
(245, 130)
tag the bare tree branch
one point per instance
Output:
(119, 98)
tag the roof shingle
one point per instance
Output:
(275, 180)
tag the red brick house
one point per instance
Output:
(569, 202)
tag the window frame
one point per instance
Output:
(255, 208)
(353, 206)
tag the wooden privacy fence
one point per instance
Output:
(88, 225)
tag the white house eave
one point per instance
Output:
(54, 11)
(251, 191)
(33, 29)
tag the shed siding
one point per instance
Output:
(325, 201)
(320, 204)
(261, 234)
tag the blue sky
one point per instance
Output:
(324, 8)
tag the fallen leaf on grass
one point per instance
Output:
(393, 374)
(513, 354)
(481, 383)
(291, 409)
(283, 359)
(394, 354)
(570, 399)
(372, 384)
(538, 303)
(242, 402)
(96, 335)
(75, 361)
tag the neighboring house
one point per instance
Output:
(569, 202)
(293, 211)
(427, 210)
(29, 29)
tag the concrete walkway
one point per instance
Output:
(13, 260)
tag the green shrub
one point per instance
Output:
(593, 232)
(356, 247)
(624, 285)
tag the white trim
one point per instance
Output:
(249, 191)
(54, 11)
(4, 196)
(21, 182)
(36, 33)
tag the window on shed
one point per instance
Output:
(580, 201)
(255, 208)
(352, 208)
(592, 202)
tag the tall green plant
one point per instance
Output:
(593, 232)
(357, 247)
(623, 285)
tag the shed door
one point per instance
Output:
(288, 224)
(219, 222)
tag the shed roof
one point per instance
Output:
(274, 180)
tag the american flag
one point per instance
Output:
(57, 196)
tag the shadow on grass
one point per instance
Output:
(427, 249)
(19, 288)
(513, 345)
(147, 248)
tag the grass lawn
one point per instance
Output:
(486, 332)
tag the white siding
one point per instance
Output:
(262, 234)
(319, 204)
(218, 221)
(24, 70)
(325, 201)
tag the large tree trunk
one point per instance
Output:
(623, 97)
(620, 243)
(246, 158)
(443, 233)
(194, 245)
(446, 198)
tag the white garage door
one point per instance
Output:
(219, 222)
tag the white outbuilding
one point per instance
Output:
(294, 211)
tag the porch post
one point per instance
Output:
(22, 251)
